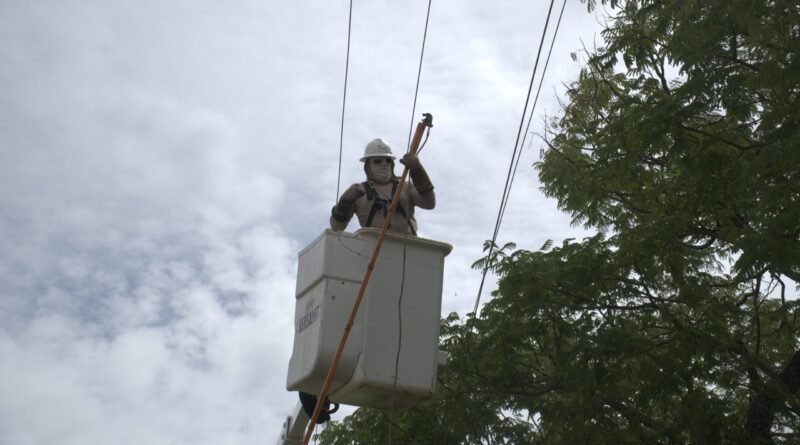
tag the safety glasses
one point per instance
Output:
(379, 161)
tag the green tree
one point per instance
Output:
(679, 145)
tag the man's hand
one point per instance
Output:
(350, 195)
(418, 175)
(342, 209)
(411, 161)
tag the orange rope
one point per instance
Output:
(323, 395)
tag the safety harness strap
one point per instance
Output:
(379, 203)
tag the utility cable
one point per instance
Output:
(506, 189)
(419, 73)
(344, 99)
(408, 222)
(399, 333)
(533, 107)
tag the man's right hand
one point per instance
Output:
(342, 209)
(352, 193)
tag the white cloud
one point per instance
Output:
(162, 163)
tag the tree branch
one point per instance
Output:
(721, 139)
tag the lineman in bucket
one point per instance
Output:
(371, 199)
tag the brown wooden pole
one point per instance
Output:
(323, 395)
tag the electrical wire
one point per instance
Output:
(344, 99)
(533, 107)
(399, 334)
(419, 74)
(408, 223)
(503, 199)
(511, 168)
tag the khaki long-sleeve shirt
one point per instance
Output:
(410, 198)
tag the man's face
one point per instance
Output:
(380, 169)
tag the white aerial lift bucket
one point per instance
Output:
(400, 312)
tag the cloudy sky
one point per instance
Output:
(162, 163)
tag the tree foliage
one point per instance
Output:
(679, 144)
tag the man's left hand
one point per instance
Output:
(411, 161)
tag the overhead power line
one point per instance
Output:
(504, 198)
(515, 156)
(344, 99)
(533, 107)
(419, 74)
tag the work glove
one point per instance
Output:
(347, 202)
(411, 160)
(352, 193)
(418, 174)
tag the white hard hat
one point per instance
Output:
(377, 149)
